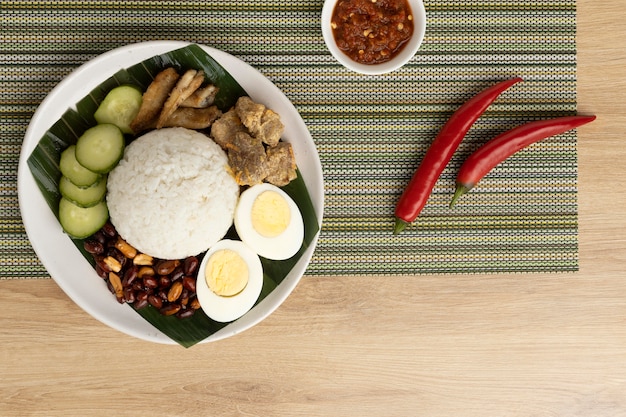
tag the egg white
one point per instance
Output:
(280, 247)
(226, 309)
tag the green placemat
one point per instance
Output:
(371, 131)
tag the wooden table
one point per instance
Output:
(479, 345)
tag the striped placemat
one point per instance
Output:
(371, 131)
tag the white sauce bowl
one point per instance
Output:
(407, 52)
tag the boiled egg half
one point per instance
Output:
(229, 281)
(269, 221)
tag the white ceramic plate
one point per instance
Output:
(58, 253)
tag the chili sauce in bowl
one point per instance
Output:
(373, 36)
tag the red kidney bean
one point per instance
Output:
(177, 274)
(189, 283)
(164, 281)
(166, 267)
(185, 313)
(155, 301)
(130, 275)
(129, 295)
(150, 282)
(94, 247)
(109, 230)
(99, 237)
(139, 304)
(190, 265)
(101, 264)
(101, 272)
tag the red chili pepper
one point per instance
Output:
(485, 158)
(420, 187)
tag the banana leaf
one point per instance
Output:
(44, 165)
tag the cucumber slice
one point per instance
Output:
(100, 148)
(83, 196)
(74, 171)
(120, 107)
(82, 222)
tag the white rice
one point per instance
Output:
(172, 195)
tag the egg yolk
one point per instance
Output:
(226, 273)
(270, 214)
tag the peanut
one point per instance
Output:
(170, 309)
(143, 259)
(126, 249)
(145, 271)
(116, 282)
(175, 291)
(113, 264)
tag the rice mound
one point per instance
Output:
(172, 194)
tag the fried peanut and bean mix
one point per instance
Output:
(249, 133)
(141, 280)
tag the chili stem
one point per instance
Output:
(458, 192)
(399, 226)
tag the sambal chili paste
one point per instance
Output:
(372, 31)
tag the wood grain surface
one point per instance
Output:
(462, 345)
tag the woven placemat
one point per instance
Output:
(371, 131)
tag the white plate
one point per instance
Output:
(58, 253)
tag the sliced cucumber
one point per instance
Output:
(100, 148)
(81, 222)
(120, 107)
(83, 196)
(74, 171)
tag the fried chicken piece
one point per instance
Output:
(271, 128)
(247, 159)
(249, 113)
(202, 97)
(262, 122)
(281, 163)
(186, 85)
(153, 99)
(192, 118)
(225, 128)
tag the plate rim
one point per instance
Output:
(49, 112)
